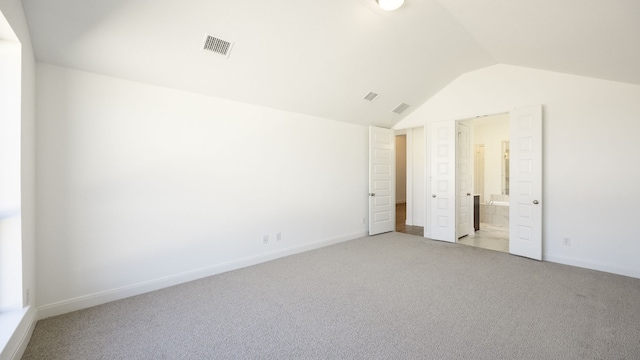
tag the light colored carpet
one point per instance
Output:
(391, 296)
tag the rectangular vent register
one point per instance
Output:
(217, 45)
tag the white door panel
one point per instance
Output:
(442, 198)
(525, 163)
(382, 169)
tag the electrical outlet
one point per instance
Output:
(566, 241)
(364, 220)
(265, 239)
(278, 236)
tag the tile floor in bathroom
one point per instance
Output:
(489, 237)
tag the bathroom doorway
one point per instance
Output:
(525, 181)
(489, 166)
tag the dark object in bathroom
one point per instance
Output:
(476, 212)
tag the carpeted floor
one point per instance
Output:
(391, 296)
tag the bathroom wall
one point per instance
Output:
(491, 131)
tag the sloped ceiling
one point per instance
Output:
(593, 38)
(322, 57)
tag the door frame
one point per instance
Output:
(460, 179)
(413, 187)
(428, 168)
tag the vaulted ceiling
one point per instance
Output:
(322, 57)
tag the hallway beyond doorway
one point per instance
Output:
(401, 218)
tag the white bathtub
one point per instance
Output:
(495, 213)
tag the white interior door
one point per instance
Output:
(525, 163)
(442, 214)
(463, 181)
(382, 175)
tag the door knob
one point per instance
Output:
(468, 194)
(535, 202)
(433, 196)
(372, 194)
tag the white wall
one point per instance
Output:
(22, 324)
(142, 187)
(492, 131)
(401, 169)
(590, 147)
(418, 191)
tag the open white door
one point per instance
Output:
(382, 177)
(525, 164)
(464, 211)
(442, 200)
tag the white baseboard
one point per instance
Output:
(19, 339)
(591, 265)
(86, 301)
(407, 222)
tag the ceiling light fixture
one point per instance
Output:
(390, 4)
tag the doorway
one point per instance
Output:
(489, 138)
(410, 181)
(525, 182)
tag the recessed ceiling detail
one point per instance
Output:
(216, 45)
(400, 108)
(371, 96)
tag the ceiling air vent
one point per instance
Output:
(216, 45)
(400, 108)
(371, 96)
